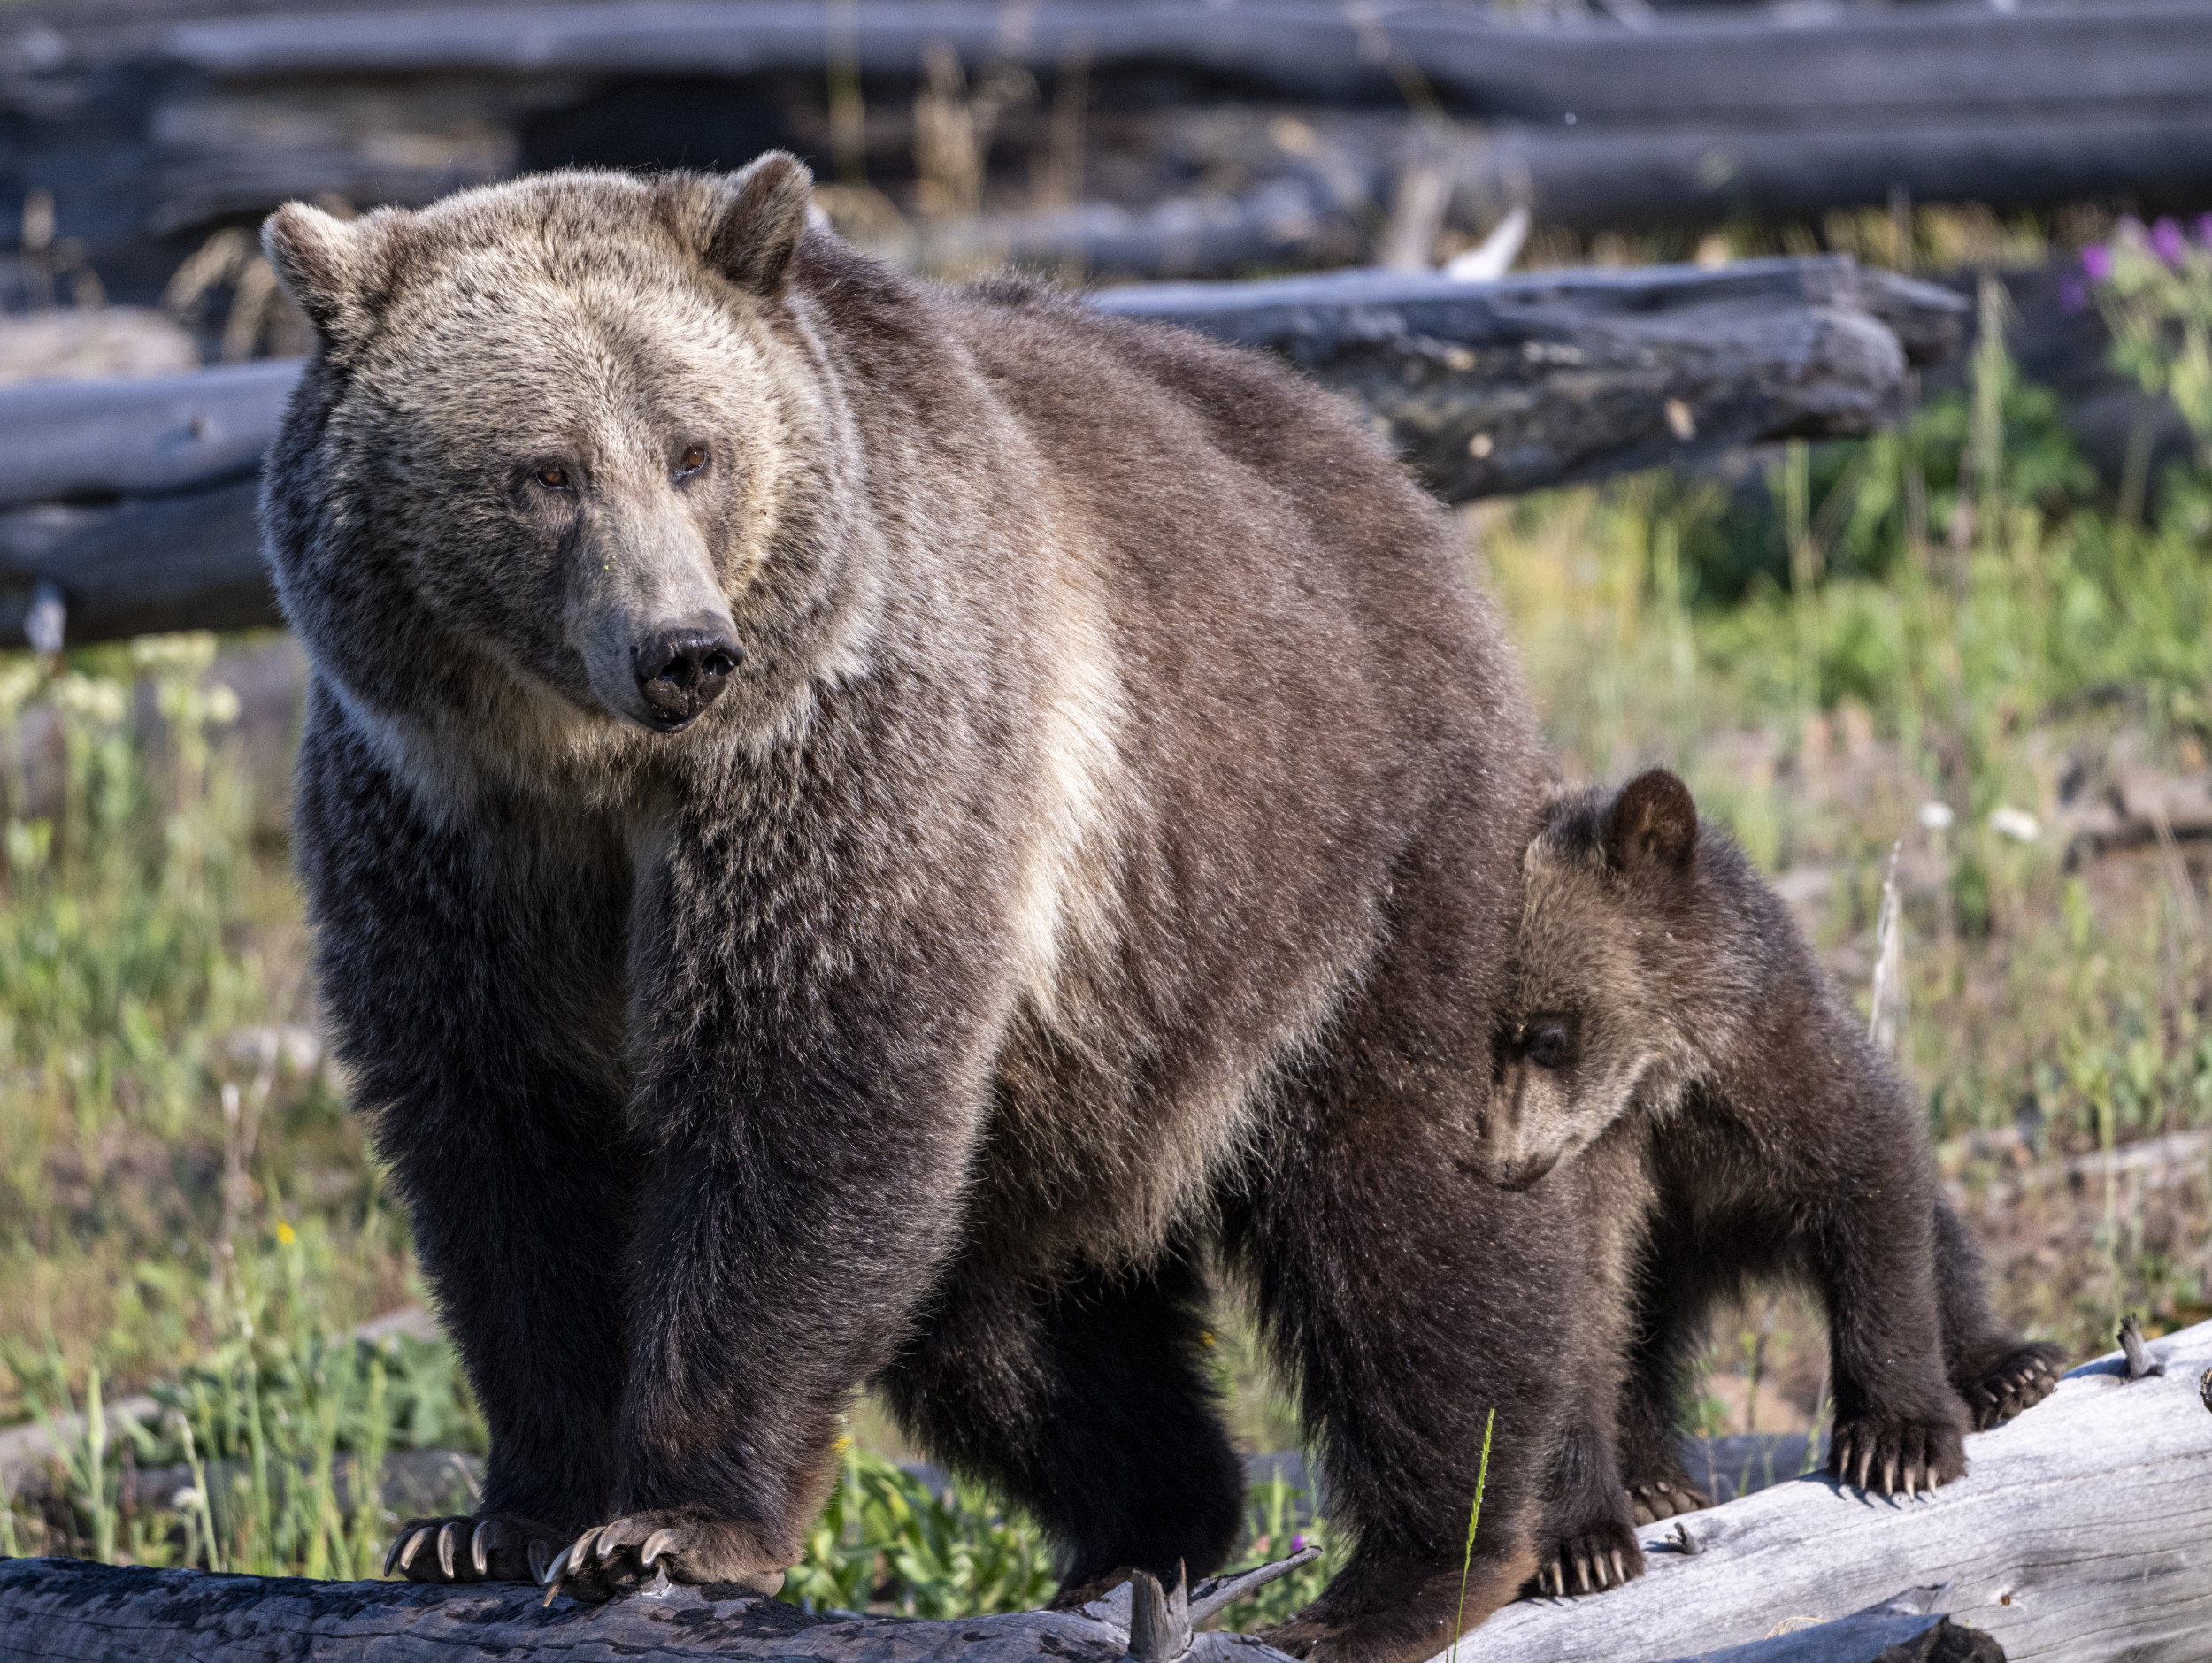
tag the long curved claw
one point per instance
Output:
(1866, 1465)
(608, 1546)
(415, 1539)
(1582, 1571)
(1889, 1475)
(446, 1534)
(477, 1556)
(391, 1554)
(1620, 1570)
(656, 1544)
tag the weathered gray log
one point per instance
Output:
(144, 129)
(1865, 63)
(1486, 389)
(69, 1611)
(2079, 1535)
(1898, 1630)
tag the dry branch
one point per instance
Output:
(1488, 388)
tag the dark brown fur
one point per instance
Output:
(1669, 1023)
(1103, 858)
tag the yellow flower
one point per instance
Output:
(286, 1236)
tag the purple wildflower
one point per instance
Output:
(1297, 1544)
(2167, 242)
(2096, 260)
(2073, 295)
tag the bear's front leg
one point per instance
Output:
(812, 1073)
(1900, 1427)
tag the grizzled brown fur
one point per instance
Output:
(1670, 1030)
(859, 831)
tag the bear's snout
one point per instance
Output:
(683, 668)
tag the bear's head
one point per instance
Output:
(1600, 1012)
(555, 432)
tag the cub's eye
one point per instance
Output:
(1549, 1044)
(695, 457)
(553, 478)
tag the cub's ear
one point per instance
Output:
(333, 267)
(758, 217)
(1652, 823)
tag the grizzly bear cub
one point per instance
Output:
(1670, 1029)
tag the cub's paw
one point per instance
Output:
(1663, 1495)
(690, 1543)
(1896, 1455)
(494, 1548)
(2019, 1379)
(1589, 1562)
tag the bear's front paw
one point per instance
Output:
(1665, 1495)
(690, 1543)
(493, 1548)
(2018, 1380)
(1589, 1561)
(1896, 1455)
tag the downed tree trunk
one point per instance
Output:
(2076, 1539)
(68, 1611)
(1486, 389)
(2077, 1535)
(148, 126)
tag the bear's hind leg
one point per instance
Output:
(1089, 1404)
(1997, 1373)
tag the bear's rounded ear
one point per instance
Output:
(329, 266)
(758, 215)
(1652, 823)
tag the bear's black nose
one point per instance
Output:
(680, 670)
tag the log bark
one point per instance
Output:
(1486, 388)
(2077, 1535)
(146, 130)
(1866, 63)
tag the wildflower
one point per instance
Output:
(1936, 816)
(1297, 1544)
(2016, 824)
(2167, 241)
(2096, 260)
(286, 1235)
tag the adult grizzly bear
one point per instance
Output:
(859, 831)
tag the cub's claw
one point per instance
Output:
(1663, 1499)
(2016, 1382)
(1603, 1558)
(1896, 1457)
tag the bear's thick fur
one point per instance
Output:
(1671, 1044)
(858, 830)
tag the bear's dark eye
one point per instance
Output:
(553, 478)
(1549, 1042)
(695, 457)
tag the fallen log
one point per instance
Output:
(2077, 1535)
(67, 1611)
(147, 127)
(128, 505)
